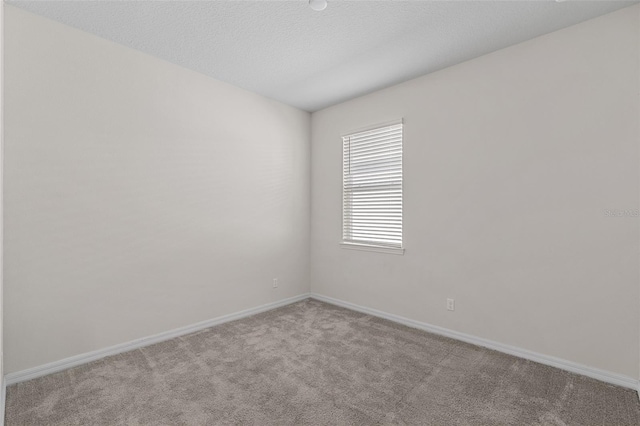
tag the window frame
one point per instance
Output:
(360, 244)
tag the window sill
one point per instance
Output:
(373, 248)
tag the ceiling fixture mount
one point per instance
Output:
(318, 4)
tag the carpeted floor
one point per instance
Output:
(316, 364)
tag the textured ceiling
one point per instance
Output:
(308, 59)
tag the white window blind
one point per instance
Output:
(372, 187)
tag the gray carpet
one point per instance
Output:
(316, 364)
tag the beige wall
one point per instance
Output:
(510, 162)
(140, 196)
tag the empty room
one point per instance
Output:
(320, 212)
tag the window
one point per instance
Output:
(372, 189)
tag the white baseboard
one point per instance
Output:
(595, 373)
(63, 364)
(54, 367)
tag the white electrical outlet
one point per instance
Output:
(275, 283)
(451, 305)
